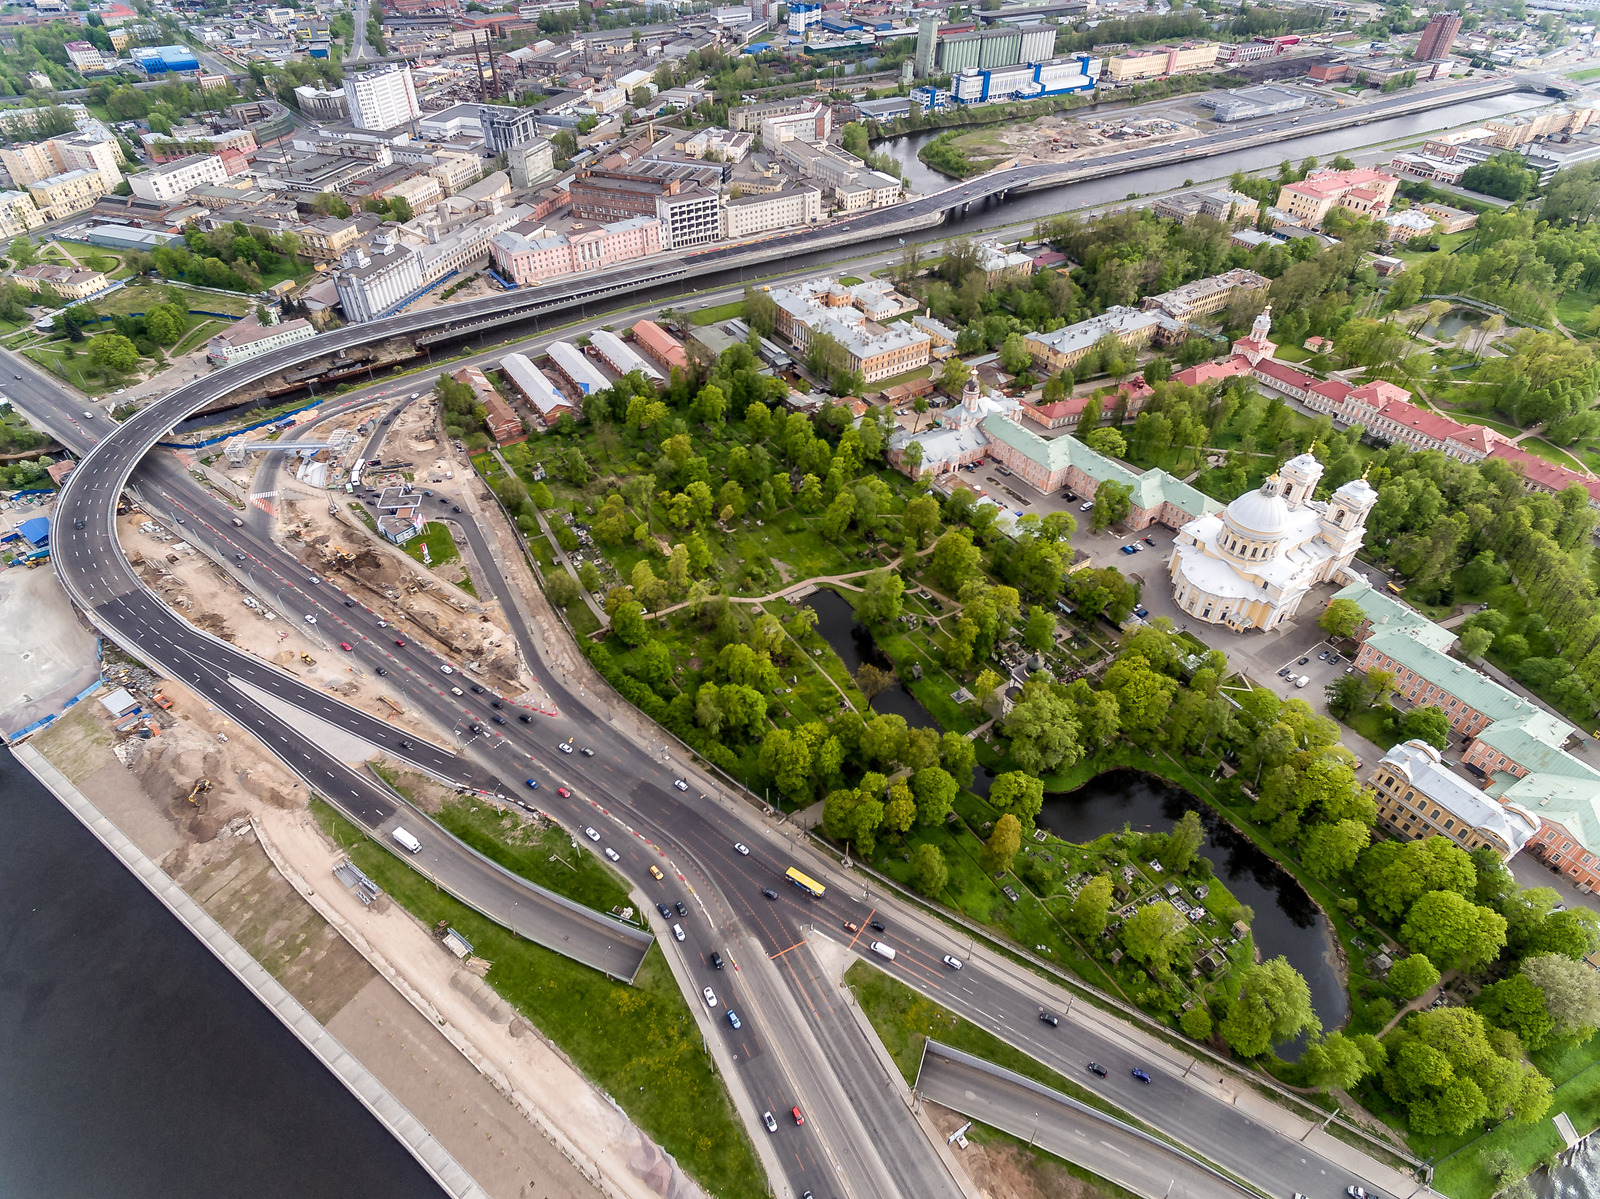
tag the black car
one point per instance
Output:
(769, 892)
(382, 671)
(878, 926)
(455, 508)
(499, 719)
(682, 910)
(525, 718)
(1097, 1069)
(664, 910)
(405, 743)
(477, 690)
(77, 524)
(1050, 1018)
(494, 703)
(1141, 1075)
(1303, 661)
(349, 603)
(1284, 673)
(716, 960)
(586, 751)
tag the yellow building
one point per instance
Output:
(65, 282)
(17, 214)
(67, 194)
(1162, 60)
(1510, 132)
(29, 163)
(420, 191)
(1363, 191)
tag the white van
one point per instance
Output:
(1303, 680)
(883, 951)
(406, 841)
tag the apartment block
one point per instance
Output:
(691, 218)
(17, 214)
(171, 181)
(1205, 296)
(1065, 348)
(877, 351)
(531, 163)
(29, 162)
(67, 194)
(382, 99)
(87, 152)
(529, 254)
(792, 208)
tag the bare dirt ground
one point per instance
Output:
(47, 655)
(213, 600)
(476, 289)
(1062, 139)
(1004, 1170)
(212, 848)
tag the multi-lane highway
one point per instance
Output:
(796, 1046)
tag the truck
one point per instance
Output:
(161, 701)
(406, 841)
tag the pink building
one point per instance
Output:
(526, 254)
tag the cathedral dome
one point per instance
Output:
(1260, 513)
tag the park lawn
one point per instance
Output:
(1589, 73)
(197, 336)
(639, 1044)
(72, 370)
(441, 545)
(1574, 306)
(721, 312)
(1372, 725)
(1292, 353)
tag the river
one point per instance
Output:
(1286, 922)
(836, 622)
(133, 1063)
(1154, 180)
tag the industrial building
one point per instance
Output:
(620, 357)
(160, 60)
(1025, 81)
(1151, 64)
(1248, 103)
(532, 384)
(577, 369)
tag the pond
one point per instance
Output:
(836, 621)
(1452, 322)
(1287, 923)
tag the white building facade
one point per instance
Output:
(381, 99)
(173, 180)
(1250, 566)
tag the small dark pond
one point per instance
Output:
(836, 621)
(1286, 922)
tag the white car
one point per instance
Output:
(564, 747)
(448, 669)
(1086, 506)
(953, 963)
(766, 1118)
(310, 619)
(315, 580)
(711, 997)
(680, 784)
(383, 624)
(591, 834)
(742, 848)
(677, 931)
(88, 416)
(613, 854)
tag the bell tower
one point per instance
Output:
(1300, 476)
(1344, 521)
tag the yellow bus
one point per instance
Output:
(809, 885)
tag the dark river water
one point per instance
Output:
(1153, 180)
(133, 1063)
(836, 621)
(1286, 922)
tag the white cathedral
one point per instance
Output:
(1250, 566)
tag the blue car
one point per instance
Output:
(733, 1018)
(1128, 549)
(1140, 1075)
(533, 783)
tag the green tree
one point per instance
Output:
(1087, 916)
(1341, 1062)
(1039, 634)
(1273, 1005)
(1112, 502)
(1196, 1024)
(920, 520)
(955, 561)
(1428, 724)
(1452, 930)
(1393, 876)
(1182, 843)
(959, 756)
(1332, 849)
(1449, 1072)
(1043, 730)
(1475, 643)
(1107, 441)
(928, 871)
(1019, 794)
(1015, 358)
(1516, 1004)
(1002, 845)
(1571, 992)
(881, 599)
(785, 758)
(1412, 976)
(935, 790)
(113, 353)
(627, 623)
(1154, 935)
(562, 589)
(1341, 618)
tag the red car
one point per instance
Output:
(400, 641)
(345, 645)
(798, 1118)
(563, 793)
(851, 928)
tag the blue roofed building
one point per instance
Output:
(35, 531)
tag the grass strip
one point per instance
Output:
(639, 1044)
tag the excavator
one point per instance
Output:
(200, 787)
